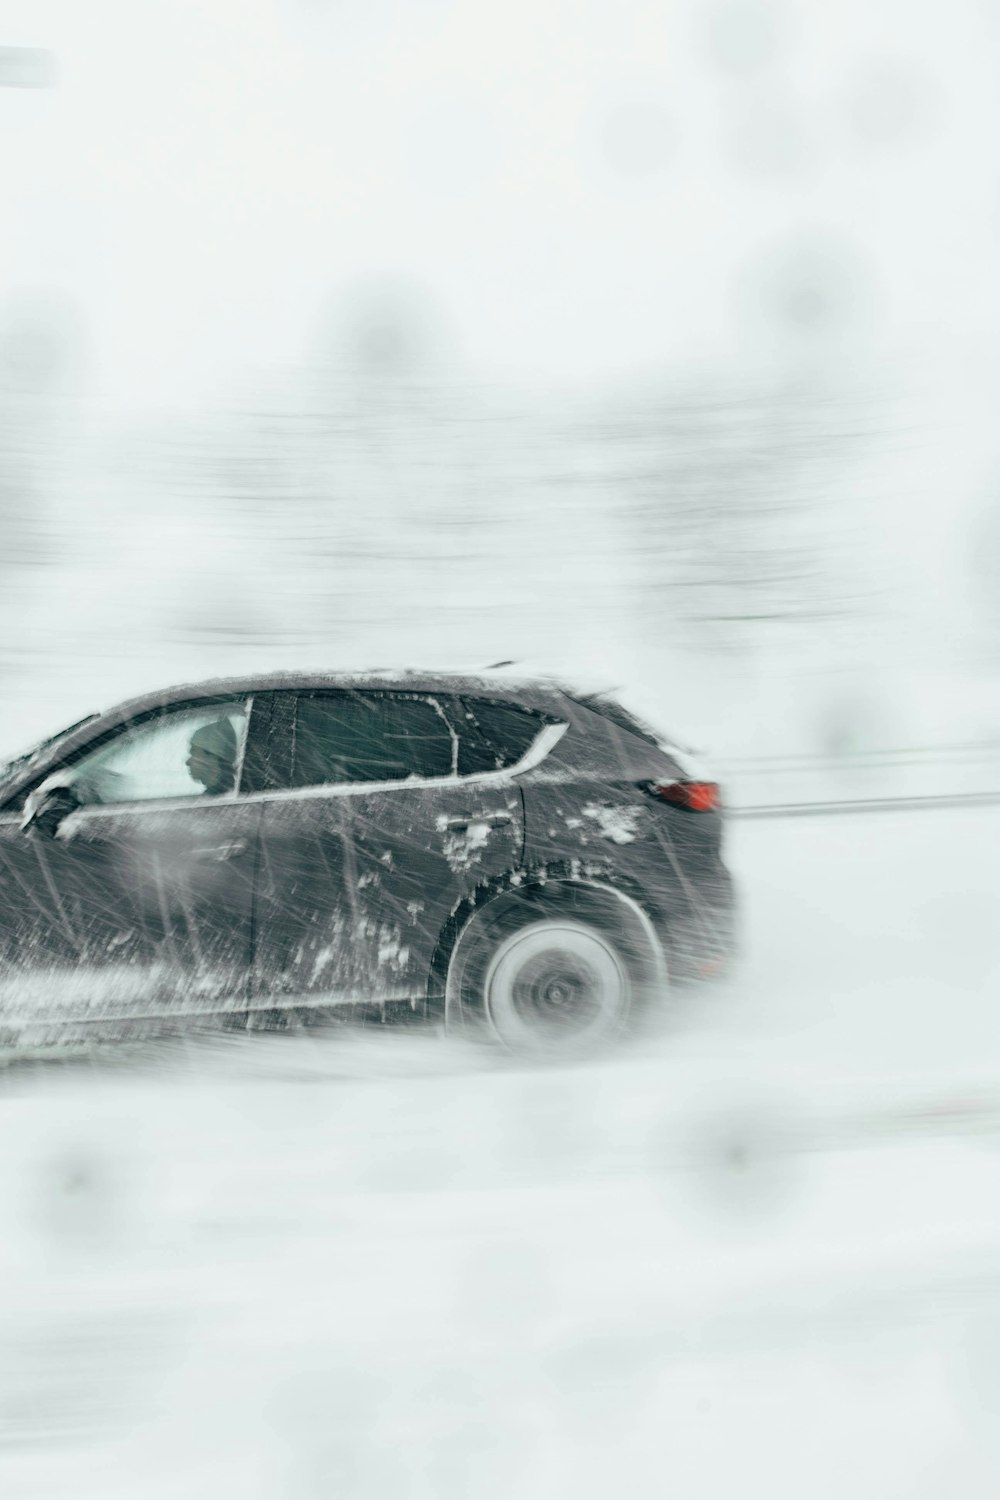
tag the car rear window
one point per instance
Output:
(611, 709)
(351, 737)
(494, 735)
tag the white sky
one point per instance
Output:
(568, 187)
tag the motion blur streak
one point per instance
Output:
(652, 344)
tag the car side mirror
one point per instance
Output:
(47, 807)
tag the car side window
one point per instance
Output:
(357, 737)
(190, 752)
(494, 735)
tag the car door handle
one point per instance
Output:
(492, 820)
(220, 852)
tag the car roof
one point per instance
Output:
(539, 692)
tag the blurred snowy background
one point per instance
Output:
(656, 342)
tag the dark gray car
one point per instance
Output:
(529, 863)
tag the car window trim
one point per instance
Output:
(541, 746)
(191, 799)
(159, 803)
(475, 734)
(545, 741)
(93, 810)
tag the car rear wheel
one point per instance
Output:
(556, 980)
(556, 971)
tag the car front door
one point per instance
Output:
(377, 838)
(136, 904)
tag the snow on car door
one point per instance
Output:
(375, 844)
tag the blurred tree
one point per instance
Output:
(40, 347)
(40, 343)
(23, 534)
(730, 502)
(335, 507)
(983, 562)
(27, 543)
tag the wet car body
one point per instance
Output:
(384, 833)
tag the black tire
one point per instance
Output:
(561, 968)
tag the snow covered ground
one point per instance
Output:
(757, 1250)
(309, 333)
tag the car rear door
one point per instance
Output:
(388, 821)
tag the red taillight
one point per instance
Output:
(696, 796)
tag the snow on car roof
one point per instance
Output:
(455, 680)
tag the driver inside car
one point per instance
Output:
(212, 757)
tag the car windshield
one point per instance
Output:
(10, 768)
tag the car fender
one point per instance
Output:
(595, 875)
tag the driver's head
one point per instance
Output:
(212, 756)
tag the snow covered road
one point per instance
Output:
(758, 1249)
